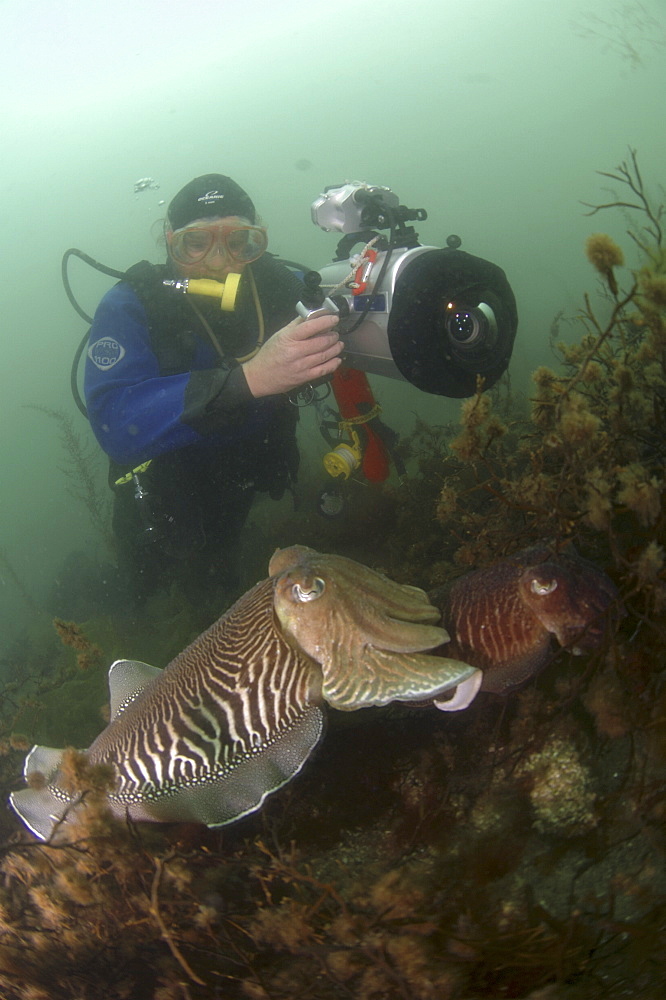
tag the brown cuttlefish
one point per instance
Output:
(502, 619)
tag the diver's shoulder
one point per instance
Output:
(140, 282)
(277, 280)
(122, 294)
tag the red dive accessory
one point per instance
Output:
(359, 285)
(358, 411)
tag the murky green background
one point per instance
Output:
(492, 114)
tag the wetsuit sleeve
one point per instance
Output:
(137, 413)
(217, 398)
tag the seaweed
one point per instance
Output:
(628, 31)
(80, 470)
(87, 653)
(27, 598)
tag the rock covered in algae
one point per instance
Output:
(561, 793)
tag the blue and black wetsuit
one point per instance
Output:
(157, 388)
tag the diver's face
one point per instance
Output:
(214, 247)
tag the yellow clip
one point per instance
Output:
(128, 476)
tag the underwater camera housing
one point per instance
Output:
(435, 317)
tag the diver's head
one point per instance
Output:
(206, 196)
(210, 228)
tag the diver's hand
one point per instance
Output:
(303, 351)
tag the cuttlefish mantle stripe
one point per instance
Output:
(221, 701)
(491, 627)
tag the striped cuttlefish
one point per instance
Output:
(236, 715)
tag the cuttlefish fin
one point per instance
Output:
(215, 802)
(39, 808)
(127, 679)
(384, 676)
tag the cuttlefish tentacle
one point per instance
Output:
(367, 641)
(382, 676)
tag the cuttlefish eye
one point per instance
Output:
(542, 588)
(310, 593)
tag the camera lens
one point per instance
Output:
(470, 327)
(462, 326)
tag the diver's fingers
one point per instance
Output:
(303, 329)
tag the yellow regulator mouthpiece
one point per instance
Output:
(225, 291)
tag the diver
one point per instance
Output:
(187, 396)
